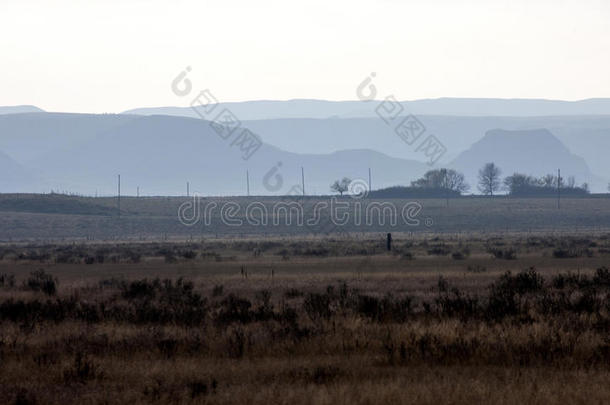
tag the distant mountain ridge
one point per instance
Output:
(532, 152)
(84, 152)
(19, 109)
(586, 136)
(16, 178)
(475, 107)
(159, 154)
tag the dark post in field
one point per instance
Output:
(389, 242)
(119, 196)
(558, 188)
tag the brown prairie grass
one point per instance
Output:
(336, 329)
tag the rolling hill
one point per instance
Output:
(84, 152)
(16, 178)
(159, 154)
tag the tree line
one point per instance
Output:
(518, 184)
(445, 183)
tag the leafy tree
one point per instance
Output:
(519, 181)
(489, 179)
(341, 186)
(549, 180)
(523, 185)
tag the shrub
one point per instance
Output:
(135, 257)
(407, 256)
(571, 253)
(200, 387)
(7, 280)
(113, 283)
(507, 254)
(167, 347)
(189, 254)
(571, 280)
(386, 309)
(453, 302)
(41, 281)
(476, 269)
(316, 251)
(24, 397)
(506, 295)
(265, 308)
(293, 293)
(528, 281)
(602, 277)
(236, 344)
(439, 250)
(458, 256)
(234, 309)
(317, 306)
(82, 370)
(141, 289)
(217, 291)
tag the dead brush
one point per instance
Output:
(201, 387)
(7, 280)
(39, 280)
(82, 370)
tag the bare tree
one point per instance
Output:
(549, 180)
(455, 181)
(585, 186)
(489, 179)
(448, 179)
(340, 186)
(442, 182)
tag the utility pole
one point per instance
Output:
(303, 180)
(370, 189)
(248, 182)
(558, 188)
(119, 196)
(188, 189)
(138, 191)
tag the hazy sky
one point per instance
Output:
(112, 55)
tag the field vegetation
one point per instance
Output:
(317, 320)
(55, 217)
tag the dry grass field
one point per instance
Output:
(521, 318)
(69, 218)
